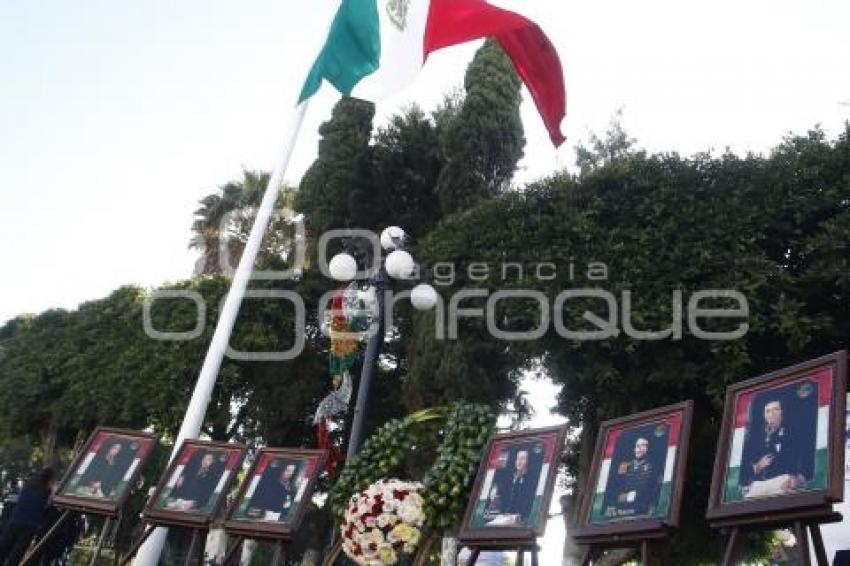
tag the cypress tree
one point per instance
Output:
(485, 141)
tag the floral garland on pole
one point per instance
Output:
(345, 347)
(466, 427)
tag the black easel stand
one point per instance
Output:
(801, 523)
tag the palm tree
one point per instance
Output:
(235, 203)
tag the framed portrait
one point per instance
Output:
(195, 485)
(782, 441)
(513, 487)
(637, 473)
(275, 494)
(103, 474)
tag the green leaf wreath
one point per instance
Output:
(462, 431)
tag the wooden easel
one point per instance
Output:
(28, 558)
(520, 547)
(802, 523)
(642, 541)
(278, 559)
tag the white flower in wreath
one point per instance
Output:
(376, 536)
(410, 513)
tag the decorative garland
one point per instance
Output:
(447, 484)
(345, 347)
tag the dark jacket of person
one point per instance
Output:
(27, 518)
(274, 496)
(517, 494)
(791, 444)
(643, 477)
(31, 507)
(198, 485)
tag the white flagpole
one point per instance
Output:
(149, 553)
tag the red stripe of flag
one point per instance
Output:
(451, 22)
(823, 377)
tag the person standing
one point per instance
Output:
(27, 518)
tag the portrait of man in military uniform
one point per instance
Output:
(637, 470)
(779, 443)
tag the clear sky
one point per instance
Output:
(115, 117)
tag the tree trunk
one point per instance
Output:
(48, 444)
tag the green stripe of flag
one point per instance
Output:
(733, 478)
(352, 50)
(663, 507)
(819, 480)
(596, 514)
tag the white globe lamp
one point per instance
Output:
(423, 297)
(343, 267)
(392, 237)
(400, 264)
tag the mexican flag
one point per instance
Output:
(377, 46)
(815, 388)
(670, 427)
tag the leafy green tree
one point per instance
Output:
(337, 190)
(406, 163)
(485, 141)
(774, 228)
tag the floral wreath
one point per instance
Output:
(442, 495)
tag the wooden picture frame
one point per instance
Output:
(485, 521)
(135, 448)
(269, 463)
(608, 509)
(163, 508)
(817, 390)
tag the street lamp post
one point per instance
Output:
(397, 265)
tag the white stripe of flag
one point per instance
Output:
(544, 472)
(604, 470)
(668, 466)
(737, 448)
(488, 481)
